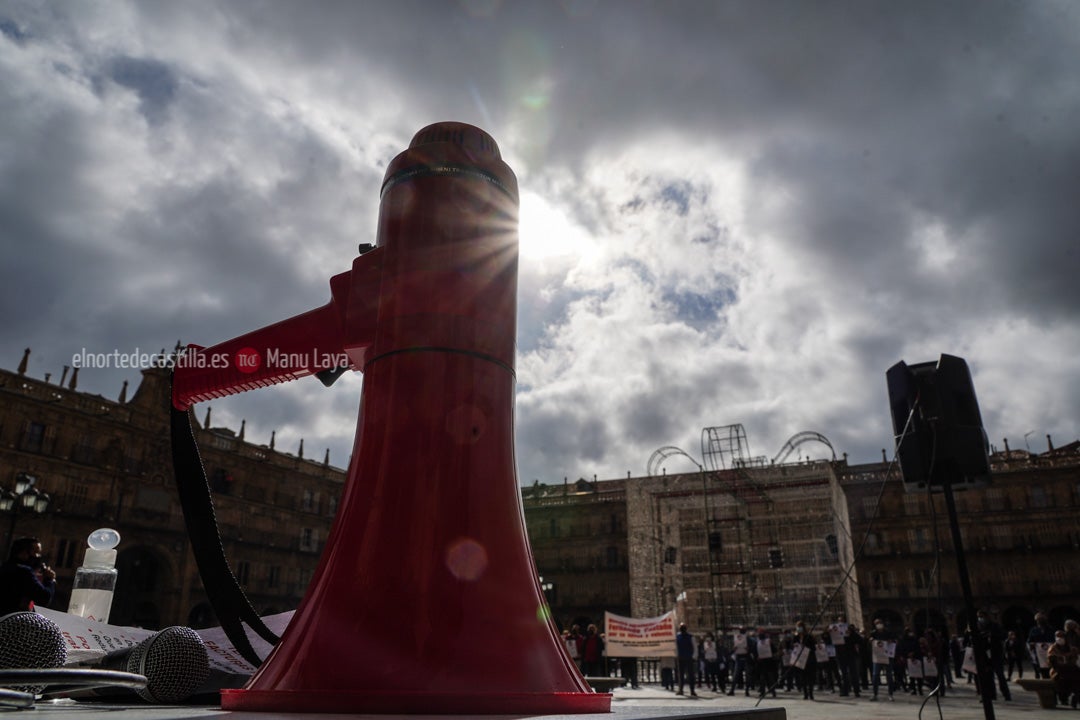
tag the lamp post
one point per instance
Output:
(25, 498)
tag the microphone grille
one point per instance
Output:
(30, 641)
(175, 663)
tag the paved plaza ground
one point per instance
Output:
(960, 704)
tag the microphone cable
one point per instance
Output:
(32, 652)
(18, 683)
(226, 597)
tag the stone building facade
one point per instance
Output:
(107, 463)
(1021, 538)
(578, 535)
(754, 546)
(749, 546)
(763, 545)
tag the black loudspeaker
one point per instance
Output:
(945, 441)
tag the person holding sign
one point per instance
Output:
(1039, 639)
(804, 661)
(882, 651)
(763, 650)
(740, 653)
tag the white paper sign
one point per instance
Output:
(764, 649)
(929, 667)
(821, 653)
(1041, 650)
(969, 661)
(837, 632)
(740, 643)
(800, 656)
(914, 668)
(890, 649)
(878, 653)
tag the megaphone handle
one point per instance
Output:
(290, 349)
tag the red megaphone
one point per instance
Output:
(426, 598)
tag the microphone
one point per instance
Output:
(30, 641)
(174, 661)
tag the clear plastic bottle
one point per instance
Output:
(95, 580)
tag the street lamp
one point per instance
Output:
(25, 498)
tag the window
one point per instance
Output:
(918, 540)
(834, 547)
(309, 501)
(716, 541)
(221, 481)
(776, 558)
(879, 581)
(869, 505)
(308, 539)
(65, 553)
(1038, 496)
(612, 557)
(273, 577)
(995, 499)
(912, 505)
(34, 437)
(922, 578)
(243, 570)
(670, 555)
(84, 452)
(77, 495)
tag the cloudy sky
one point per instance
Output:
(732, 212)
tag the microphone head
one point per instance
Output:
(175, 663)
(30, 641)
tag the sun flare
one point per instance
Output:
(545, 231)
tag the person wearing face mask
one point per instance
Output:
(1072, 633)
(1063, 669)
(764, 650)
(1039, 634)
(880, 639)
(740, 654)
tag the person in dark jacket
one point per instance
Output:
(1014, 655)
(684, 645)
(807, 658)
(25, 579)
(994, 640)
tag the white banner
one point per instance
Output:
(640, 637)
(88, 640)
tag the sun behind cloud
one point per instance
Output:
(545, 231)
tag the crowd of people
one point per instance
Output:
(876, 663)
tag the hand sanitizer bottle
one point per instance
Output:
(92, 591)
